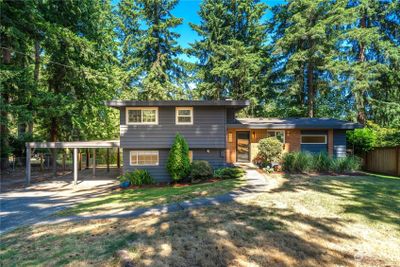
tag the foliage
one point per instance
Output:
(229, 173)
(300, 162)
(346, 164)
(137, 177)
(178, 164)
(269, 150)
(297, 162)
(201, 170)
(363, 139)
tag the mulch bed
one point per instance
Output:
(176, 184)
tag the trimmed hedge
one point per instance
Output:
(229, 173)
(201, 170)
(306, 162)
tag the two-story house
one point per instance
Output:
(148, 129)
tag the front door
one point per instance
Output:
(242, 146)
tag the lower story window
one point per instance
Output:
(280, 135)
(313, 139)
(144, 158)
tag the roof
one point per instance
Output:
(291, 123)
(178, 103)
(74, 144)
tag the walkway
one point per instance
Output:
(256, 184)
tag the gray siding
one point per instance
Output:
(216, 157)
(207, 131)
(314, 148)
(339, 143)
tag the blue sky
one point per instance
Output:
(187, 10)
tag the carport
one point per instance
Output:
(74, 146)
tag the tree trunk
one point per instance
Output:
(4, 131)
(37, 61)
(311, 89)
(359, 94)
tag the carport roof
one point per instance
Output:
(74, 144)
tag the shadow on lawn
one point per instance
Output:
(231, 234)
(375, 198)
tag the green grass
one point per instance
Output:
(303, 221)
(133, 198)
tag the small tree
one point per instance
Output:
(269, 150)
(178, 164)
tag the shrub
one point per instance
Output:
(304, 162)
(137, 177)
(363, 140)
(347, 164)
(322, 162)
(269, 150)
(297, 162)
(229, 173)
(201, 170)
(178, 164)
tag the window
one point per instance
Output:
(280, 135)
(141, 116)
(143, 158)
(313, 139)
(184, 115)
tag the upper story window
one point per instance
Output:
(184, 115)
(279, 134)
(319, 139)
(141, 115)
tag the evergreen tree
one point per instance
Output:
(303, 48)
(178, 164)
(230, 51)
(369, 57)
(149, 48)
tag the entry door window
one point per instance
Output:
(242, 146)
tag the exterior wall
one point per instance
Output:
(315, 148)
(292, 141)
(339, 143)
(330, 142)
(216, 157)
(208, 130)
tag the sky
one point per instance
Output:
(188, 11)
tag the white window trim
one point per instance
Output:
(282, 131)
(137, 152)
(191, 115)
(324, 135)
(141, 116)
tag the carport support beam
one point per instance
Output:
(108, 159)
(75, 166)
(94, 162)
(28, 166)
(118, 159)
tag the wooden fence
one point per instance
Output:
(385, 160)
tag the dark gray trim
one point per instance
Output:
(178, 103)
(294, 123)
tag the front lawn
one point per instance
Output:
(303, 221)
(144, 197)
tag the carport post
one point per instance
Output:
(108, 159)
(118, 159)
(75, 165)
(94, 162)
(87, 158)
(28, 165)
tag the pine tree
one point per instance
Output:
(302, 46)
(369, 47)
(230, 51)
(149, 48)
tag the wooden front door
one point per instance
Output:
(243, 146)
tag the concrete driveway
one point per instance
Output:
(24, 206)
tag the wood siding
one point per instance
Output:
(339, 143)
(208, 130)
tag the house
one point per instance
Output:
(148, 128)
